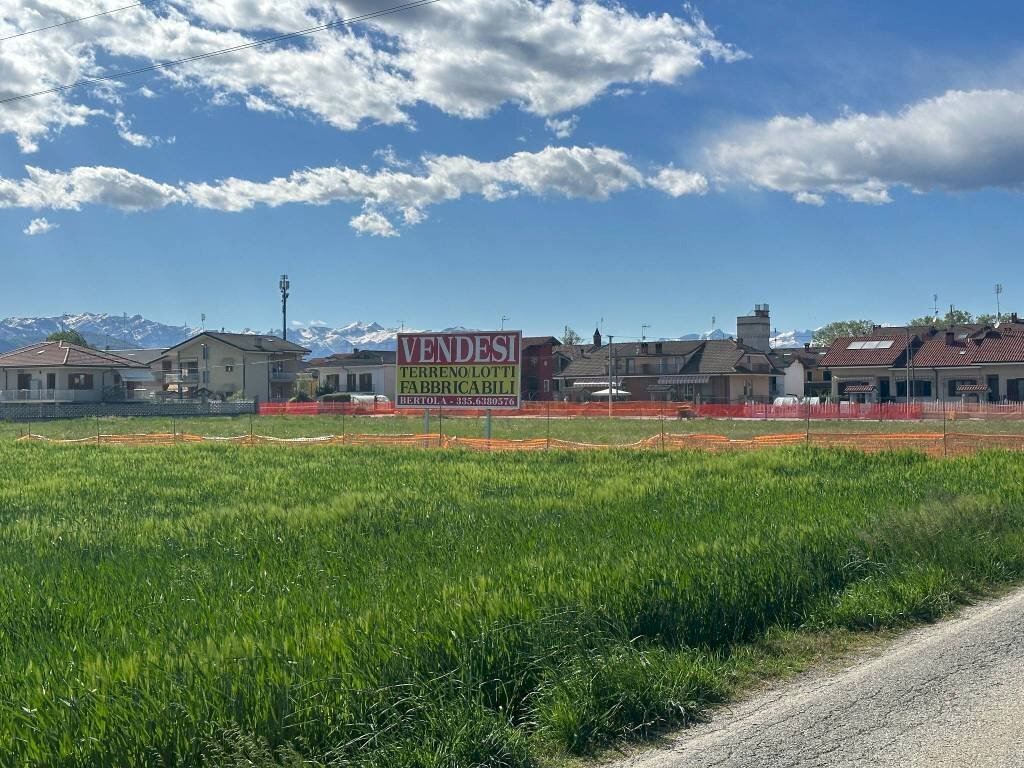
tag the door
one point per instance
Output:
(51, 381)
(993, 388)
(1013, 389)
(883, 390)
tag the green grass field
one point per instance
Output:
(214, 605)
(594, 430)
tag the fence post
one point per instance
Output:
(97, 420)
(547, 424)
(807, 420)
(440, 433)
(944, 440)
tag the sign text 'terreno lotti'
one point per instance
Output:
(472, 369)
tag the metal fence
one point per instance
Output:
(35, 411)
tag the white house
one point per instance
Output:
(58, 371)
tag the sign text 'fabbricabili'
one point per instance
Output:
(468, 369)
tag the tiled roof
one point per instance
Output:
(61, 353)
(250, 342)
(144, 356)
(537, 341)
(937, 352)
(840, 355)
(1001, 348)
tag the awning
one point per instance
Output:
(613, 393)
(859, 389)
(660, 388)
(971, 388)
(590, 383)
(136, 374)
(685, 378)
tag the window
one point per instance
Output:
(229, 364)
(366, 382)
(918, 389)
(206, 352)
(954, 383)
(547, 385)
(810, 375)
(80, 381)
(350, 382)
(51, 381)
(826, 375)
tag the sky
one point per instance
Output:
(558, 162)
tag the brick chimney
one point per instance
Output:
(597, 337)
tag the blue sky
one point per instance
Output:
(892, 171)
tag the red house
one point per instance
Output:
(538, 370)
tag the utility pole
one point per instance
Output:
(202, 320)
(284, 285)
(610, 363)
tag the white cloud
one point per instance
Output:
(39, 227)
(464, 57)
(124, 130)
(96, 185)
(959, 141)
(562, 128)
(593, 173)
(373, 223)
(678, 182)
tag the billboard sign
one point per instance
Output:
(465, 369)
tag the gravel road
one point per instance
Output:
(950, 694)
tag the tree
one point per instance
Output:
(953, 317)
(71, 337)
(828, 333)
(569, 336)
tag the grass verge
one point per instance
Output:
(359, 607)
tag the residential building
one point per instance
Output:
(149, 357)
(975, 362)
(710, 370)
(257, 366)
(804, 376)
(58, 371)
(538, 367)
(363, 371)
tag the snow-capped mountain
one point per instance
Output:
(99, 329)
(120, 332)
(794, 338)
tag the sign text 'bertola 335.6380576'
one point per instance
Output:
(465, 369)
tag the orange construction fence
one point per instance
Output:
(934, 444)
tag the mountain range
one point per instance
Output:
(106, 331)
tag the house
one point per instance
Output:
(539, 367)
(986, 365)
(364, 371)
(708, 370)
(257, 366)
(58, 371)
(975, 362)
(804, 376)
(149, 357)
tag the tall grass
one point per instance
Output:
(222, 606)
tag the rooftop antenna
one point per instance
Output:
(503, 319)
(643, 328)
(401, 325)
(999, 290)
(935, 305)
(284, 285)
(202, 320)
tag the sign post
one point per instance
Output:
(463, 370)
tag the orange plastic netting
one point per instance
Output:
(952, 444)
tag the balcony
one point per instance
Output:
(50, 395)
(181, 377)
(282, 376)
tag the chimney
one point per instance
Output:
(807, 345)
(950, 338)
(597, 337)
(755, 330)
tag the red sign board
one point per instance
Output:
(468, 369)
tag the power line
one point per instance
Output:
(222, 51)
(71, 21)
